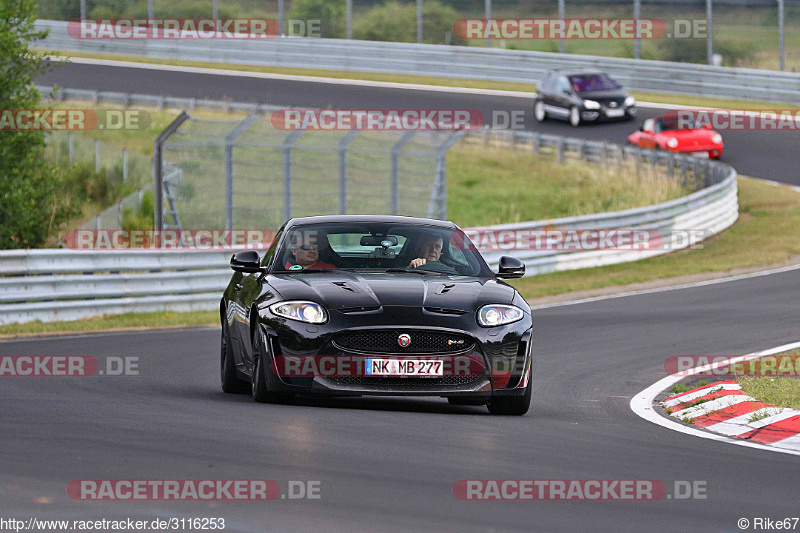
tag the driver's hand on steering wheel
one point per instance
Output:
(418, 262)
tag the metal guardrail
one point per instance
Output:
(440, 60)
(712, 208)
(50, 285)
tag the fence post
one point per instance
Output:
(158, 168)
(229, 142)
(287, 173)
(343, 144)
(124, 165)
(561, 148)
(394, 180)
(96, 155)
(438, 201)
(71, 143)
(536, 143)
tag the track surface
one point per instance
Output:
(772, 155)
(390, 464)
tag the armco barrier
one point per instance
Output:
(51, 285)
(440, 60)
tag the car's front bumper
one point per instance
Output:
(499, 362)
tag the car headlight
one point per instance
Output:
(672, 143)
(591, 104)
(716, 138)
(630, 101)
(309, 312)
(498, 314)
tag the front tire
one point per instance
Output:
(227, 368)
(259, 388)
(513, 405)
(574, 116)
(539, 112)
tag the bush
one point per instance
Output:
(330, 13)
(397, 21)
(694, 51)
(143, 218)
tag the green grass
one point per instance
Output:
(767, 228)
(443, 81)
(127, 321)
(678, 389)
(783, 391)
(488, 185)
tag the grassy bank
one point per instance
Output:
(767, 228)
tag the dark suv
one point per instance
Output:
(582, 96)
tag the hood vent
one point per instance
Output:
(444, 289)
(359, 309)
(444, 311)
(346, 286)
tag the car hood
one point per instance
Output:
(352, 290)
(691, 135)
(614, 95)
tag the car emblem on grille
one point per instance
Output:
(451, 342)
(612, 104)
(404, 340)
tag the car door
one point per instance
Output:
(647, 135)
(562, 97)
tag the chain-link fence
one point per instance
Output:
(125, 171)
(249, 174)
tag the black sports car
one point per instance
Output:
(376, 305)
(582, 96)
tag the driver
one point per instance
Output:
(427, 249)
(306, 254)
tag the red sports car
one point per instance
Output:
(678, 135)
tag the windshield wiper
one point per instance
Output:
(414, 271)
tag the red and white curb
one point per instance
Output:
(643, 404)
(723, 408)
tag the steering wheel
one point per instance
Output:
(438, 266)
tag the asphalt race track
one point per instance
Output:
(390, 464)
(772, 155)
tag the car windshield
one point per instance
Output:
(593, 82)
(378, 246)
(674, 123)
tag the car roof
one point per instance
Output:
(574, 72)
(387, 219)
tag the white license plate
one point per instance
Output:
(701, 155)
(614, 113)
(403, 367)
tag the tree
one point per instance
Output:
(397, 21)
(29, 185)
(330, 13)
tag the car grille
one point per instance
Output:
(411, 382)
(385, 341)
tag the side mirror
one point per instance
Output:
(246, 261)
(510, 268)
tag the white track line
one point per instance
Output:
(642, 405)
(671, 288)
